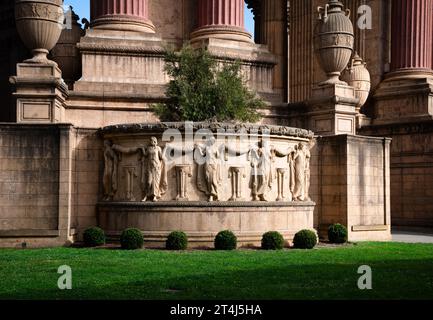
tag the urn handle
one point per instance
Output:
(348, 12)
(323, 12)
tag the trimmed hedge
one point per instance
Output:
(337, 233)
(226, 240)
(94, 237)
(272, 240)
(177, 240)
(131, 239)
(305, 239)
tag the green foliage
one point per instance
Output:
(226, 275)
(177, 240)
(131, 239)
(337, 233)
(201, 90)
(226, 240)
(305, 239)
(94, 237)
(272, 240)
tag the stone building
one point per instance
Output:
(56, 173)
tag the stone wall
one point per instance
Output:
(35, 170)
(87, 172)
(351, 186)
(411, 172)
(49, 183)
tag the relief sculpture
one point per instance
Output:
(111, 159)
(300, 171)
(261, 158)
(153, 172)
(209, 176)
(214, 165)
(112, 156)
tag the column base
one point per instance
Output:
(221, 32)
(332, 110)
(123, 23)
(404, 96)
(40, 93)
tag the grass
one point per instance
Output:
(400, 271)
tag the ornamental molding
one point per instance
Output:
(212, 126)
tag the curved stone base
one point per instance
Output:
(123, 23)
(408, 73)
(221, 32)
(202, 220)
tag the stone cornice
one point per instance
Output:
(201, 204)
(403, 128)
(106, 47)
(213, 126)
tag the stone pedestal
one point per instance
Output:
(203, 187)
(404, 96)
(40, 93)
(122, 71)
(202, 221)
(351, 182)
(332, 110)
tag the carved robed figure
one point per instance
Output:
(110, 171)
(261, 159)
(209, 175)
(299, 168)
(153, 172)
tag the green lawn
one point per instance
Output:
(400, 271)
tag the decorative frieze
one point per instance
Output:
(258, 167)
(236, 174)
(183, 172)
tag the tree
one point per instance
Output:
(201, 89)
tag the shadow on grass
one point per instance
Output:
(392, 279)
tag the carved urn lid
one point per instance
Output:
(334, 19)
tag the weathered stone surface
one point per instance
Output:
(202, 221)
(352, 186)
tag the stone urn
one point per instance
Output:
(39, 24)
(66, 53)
(357, 76)
(333, 39)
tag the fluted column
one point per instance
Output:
(222, 19)
(412, 32)
(125, 15)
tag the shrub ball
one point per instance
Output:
(226, 240)
(177, 240)
(305, 239)
(131, 239)
(272, 240)
(337, 233)
(94, 237)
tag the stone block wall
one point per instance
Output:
(351, 186)
(411, 172)
(35, 167)
(49, 183)
(86, 177)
